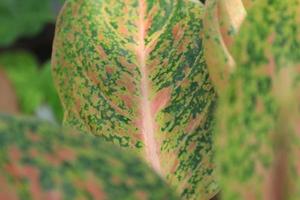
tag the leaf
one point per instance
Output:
(222, 21)
(41, 161)
(34, 87)
(133, 72)
(23, 18)
(21, 69)
(258, 140)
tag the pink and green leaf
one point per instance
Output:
(258, 134)
(40, 161)
(134, 73)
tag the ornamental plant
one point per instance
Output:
(134, 73)
(149, 75)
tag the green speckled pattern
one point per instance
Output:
(259, 115)
(39, 161)
(133, 72)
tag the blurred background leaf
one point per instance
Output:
(26, 34)
(23, 18)
(33, 84)
(21, 69)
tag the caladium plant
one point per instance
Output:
(39, 161)
(258, 136)
(133, 72)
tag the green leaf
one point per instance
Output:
(21, 69)
(133, 72)
(41, 161)
(23, 18)
(33, 86)
(258, 130)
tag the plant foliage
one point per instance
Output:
(259, 114)
(134, 73)
(41, 161)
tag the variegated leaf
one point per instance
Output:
(39, 161)
(133, 72)
(258, 136)
(222, 21)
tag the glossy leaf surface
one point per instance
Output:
(259, 115)
(133, 72)
(40, 161)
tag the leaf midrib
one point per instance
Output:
(148, 123)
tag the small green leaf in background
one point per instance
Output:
(21, 69)
(23, 18)
(34, 86)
